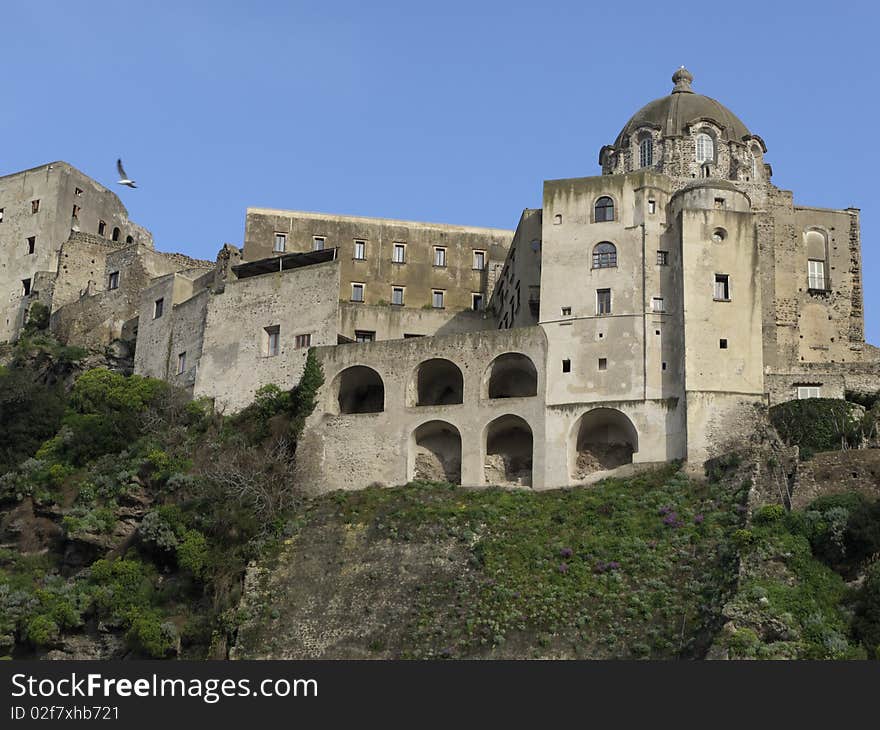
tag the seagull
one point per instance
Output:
(123, 177)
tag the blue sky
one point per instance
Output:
(451, 112)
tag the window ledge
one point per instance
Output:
(598, 268)
(819, 292)
(716, 299)
(397, 262)
(356, 301)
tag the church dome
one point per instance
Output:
(673, 114)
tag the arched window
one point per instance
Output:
(604, 209)
(705, 148)
(604, 255)
(646, 152)
(116, 233)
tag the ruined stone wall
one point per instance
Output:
(389, 322)
(837, 472)
(234, 361)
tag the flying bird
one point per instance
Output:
(123, 177)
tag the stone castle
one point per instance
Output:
(646, 314)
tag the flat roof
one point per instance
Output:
(283, 263)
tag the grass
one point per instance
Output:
(629, 567)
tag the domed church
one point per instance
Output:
(645, 314)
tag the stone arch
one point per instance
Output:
(509, 446)
(359, 389)
(129, 239)
(438, 382)
(816, 243)
(511, 375)
(604, 209)
(435, 449)
(116, 233)
(601, 439)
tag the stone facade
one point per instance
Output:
(646, 314)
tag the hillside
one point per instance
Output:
(136, 523)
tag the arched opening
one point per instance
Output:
(705, 148)
(437, 452)
(439, 383)
(512, 375)
(604, 209)
(604, 438)
(646, 152)
(116, 234)
(604, 255)
(508, 452)
(359, 389)
(129, 239)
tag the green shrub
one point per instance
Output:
(866, 624)
(769, 513)
(37, 319)
(41, 630)
(305, 396)
(30, 413)
(163, 527)
(192, 553)
(818, 424)
(149, 635)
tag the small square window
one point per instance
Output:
(78, 192)
(2, 212)
(566, 366)
(439, 256)
(158, 308)
(557, 219)
(26, 287)
(271, 340)
(657, 305)
(318, 243)
(301, 341)
(181, 363)
(566, 311)
(662, 258)
(363, 336)
(360, 250)
(102, 228)
(652, 207)
(719, 203)
(663, 366)
(398, 254)
(722, 343)
(35, 206)
(603, 363)
(603, 301)
(397, 295)
(809, 391)
(601, 335)
(477, 302)
(32, 244)
(437, 299)
(479, 260)
(656, 332)
(357, 292)
(113, 280)
(722, 287)
(280, 243)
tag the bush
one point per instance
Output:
(149, 635)
(769, 513)
(818, 424)
(867, 619)
(192, 553)
(163, 528)
(30, 413)
(38, 318)
(41, 630)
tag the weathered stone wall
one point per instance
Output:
(394, 323)
(234, 362)
(837, 472)
(418, 275)
(515, 298)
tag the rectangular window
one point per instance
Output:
(652, 207)
(437, 299)
(1, 214)
(78, 192)
(75, 212)
(566, 311)
(722, 344)
(318, 243)
(566, 366)
(360, 250)
(816, 274)
(603, 363)
(357, 292)
(280, 243)
(603, 301)
(476, 302)
(398, 255)
(809, 391)
(158, 308)
(662, 258)
(719, 203)
(181, 363)
(722, 288)
(102, 228)
(439, 256)
(35, 206)
(363, 336)
(272, 340)
(113, 280)
(397, 295)
(657, 305)
(301, 341)
(26, 286)
(32, 244)
(479, 260)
